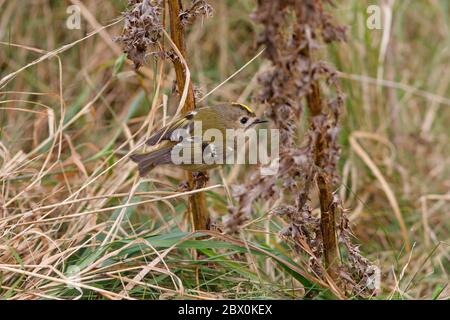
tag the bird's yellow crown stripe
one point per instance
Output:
(243, 106)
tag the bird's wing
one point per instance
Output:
(165, 133)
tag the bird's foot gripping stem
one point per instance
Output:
(200, 179)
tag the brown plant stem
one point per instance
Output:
(197, 202)
(324, 184)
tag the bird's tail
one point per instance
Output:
(147, 161)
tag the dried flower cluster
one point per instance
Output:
(143, 27)
(359, 273)
(292, 30)
(198, 8)
(285, 87)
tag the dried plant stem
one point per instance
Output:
(177, 35)
(327, 223)
(324, 184)
(197, 201)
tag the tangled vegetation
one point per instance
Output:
(362, 189)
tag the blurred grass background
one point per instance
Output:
(58, 239)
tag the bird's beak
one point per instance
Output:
(258, 121)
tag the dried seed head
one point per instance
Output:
(198, 8)
(142, 29)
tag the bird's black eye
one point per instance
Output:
(244, 120)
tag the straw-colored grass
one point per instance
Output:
(76, 221)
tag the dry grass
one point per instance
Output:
(77, 222)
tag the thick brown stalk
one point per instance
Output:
(327, 206)
(197, 201)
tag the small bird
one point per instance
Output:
(182, 135)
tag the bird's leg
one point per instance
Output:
(200, 179)
(183, 186)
